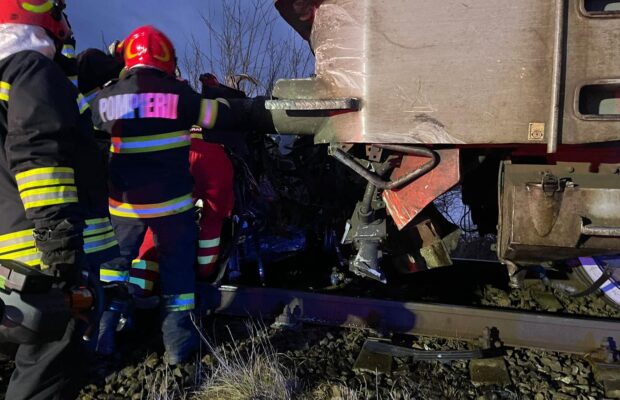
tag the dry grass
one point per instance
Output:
(252, 370)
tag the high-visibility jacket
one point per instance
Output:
(148, 115)
(44, 163)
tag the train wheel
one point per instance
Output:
(590, 269)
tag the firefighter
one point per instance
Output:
(148, 113)
(49, 220)
(213, 172)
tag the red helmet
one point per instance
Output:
(149, 47)
(47, 14)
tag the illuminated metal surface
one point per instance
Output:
(570, 334)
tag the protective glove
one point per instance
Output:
(61, 246)
(116, 49)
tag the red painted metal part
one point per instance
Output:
(405, 203)
(299, 14)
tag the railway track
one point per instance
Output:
(546, 331)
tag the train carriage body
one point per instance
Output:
(537, 82)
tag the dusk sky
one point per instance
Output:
(93, 20)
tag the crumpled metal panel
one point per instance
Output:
(405, 204)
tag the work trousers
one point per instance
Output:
(46, 371)
(175, 239)
(50, 370)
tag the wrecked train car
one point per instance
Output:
(517, 101)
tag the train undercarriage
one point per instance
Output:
(516, 105)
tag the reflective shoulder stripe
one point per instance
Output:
(68, 51)
(5, 88)
(150, 143)
(208, 113)
(82, 103)
(90, 96)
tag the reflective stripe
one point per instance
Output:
(174, 206)
(48, 196)
(82, 103)
(97, 226)
(91, 96)
(68, 51)
(99, 242)
(5, 87)
(149, 143)
(31, 257)
(197, 136)
(21, 245)
(208, 113)
(38, 9)
(181, 302)
(142, 283)
(42, 177)
(16, 241)
(206, 244)
(112, 275)
(204, 260)
(145, 265)
(73, 79)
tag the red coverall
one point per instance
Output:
(213, 184)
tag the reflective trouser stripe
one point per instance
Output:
(171, 207)
(209, 243)
(144, 274)
(181, 302)
(208, 113)
(99, 242)
(112, 275)
(206, 260)
(208, 250)
(150, 143)
(5, 88)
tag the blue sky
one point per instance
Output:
(115, 19)
(95, 20)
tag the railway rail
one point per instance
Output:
(546, 331)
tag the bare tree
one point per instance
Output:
(244, 42)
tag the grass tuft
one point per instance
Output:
(249, 370)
